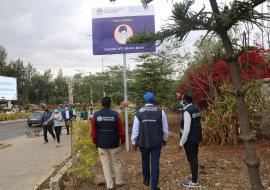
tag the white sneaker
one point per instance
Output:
(190, 184)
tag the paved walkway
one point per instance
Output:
(28, 161)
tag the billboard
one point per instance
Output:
(112, 26)
(8, 88)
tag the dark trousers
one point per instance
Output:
(154, 154)
(58, 132)
(47, 128)
(67, 126)
(191, 150)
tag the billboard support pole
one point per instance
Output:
(125, 99)
(9, 104)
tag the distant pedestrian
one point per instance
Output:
(58, 122)
(84, 114)
(150, 133)
(68, 115)
(47, 126)
(191, 137)
(108, 134)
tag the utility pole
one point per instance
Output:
(70, 93)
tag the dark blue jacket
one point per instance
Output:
(106, 126)
(150, 130)
(195, 133)
(46, 116)
(70, 114)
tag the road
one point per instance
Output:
(12, 130)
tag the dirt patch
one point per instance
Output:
(221, 168)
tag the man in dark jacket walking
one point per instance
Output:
(108, 134)
(68, 115)
(47, 126)
(149, 133)
(191, 137)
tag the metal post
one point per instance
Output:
(126, 100)
(9, 104)
(91, 93)
(102, 64)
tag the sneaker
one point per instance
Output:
(46, 142)
(190, 184)
(58, 145)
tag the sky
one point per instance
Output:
(56, 34)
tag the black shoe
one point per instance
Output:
(146, 183)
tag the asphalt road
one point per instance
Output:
(12, 130)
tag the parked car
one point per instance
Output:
(35, 118)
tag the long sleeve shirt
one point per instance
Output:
(136, 125)
(185, 131)
(121, 131)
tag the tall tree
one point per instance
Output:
(155, 74)
(3, 60)
(219, 22)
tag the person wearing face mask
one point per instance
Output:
(68, 115)
(191, 132)
(58, 122)
(149, 133)
(123, 34)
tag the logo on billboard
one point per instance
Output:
(122, 33)
(99, 11)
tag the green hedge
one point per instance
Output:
(13, 116)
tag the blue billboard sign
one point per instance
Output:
(114, 25)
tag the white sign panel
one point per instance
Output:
(8, 88)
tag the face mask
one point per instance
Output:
(123, 34)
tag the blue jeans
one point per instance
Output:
(154, 152)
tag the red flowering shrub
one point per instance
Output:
(203, 80)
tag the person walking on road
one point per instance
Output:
(108, 134)
(149, 133)
(191, 137)
(58, 122)
(47, 126)
(68, 115)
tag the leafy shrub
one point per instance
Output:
(84, 153)
(220, 124)
(13, 116)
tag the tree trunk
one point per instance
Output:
(246, 133)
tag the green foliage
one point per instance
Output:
(84, 153)
(13, 116)
(221, 125)
(155, 75)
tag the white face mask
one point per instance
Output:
(123, 34)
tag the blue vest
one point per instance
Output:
(150, 130)
(195, 133)
(107, 128)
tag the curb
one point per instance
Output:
(57, 181)
(50, 172)
(12, 121)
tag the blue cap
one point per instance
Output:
(149, 97)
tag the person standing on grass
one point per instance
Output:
(107, 132)
(191, 137)
(58, 122)
(149, 133)
(47, 126)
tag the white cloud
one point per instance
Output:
(53, 34)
